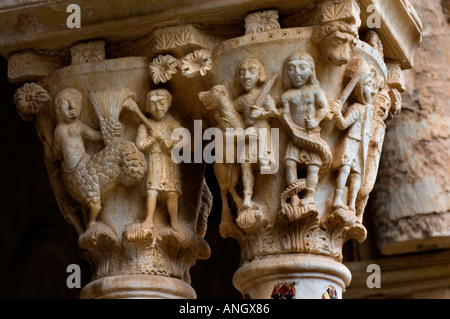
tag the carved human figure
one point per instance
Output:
(89, 177)
(69, 134)
(357, 120)
(304, 107)
(382, 106)
(70, 131)
(163, 174)
(252, 76)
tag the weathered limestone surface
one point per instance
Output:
(411, 200)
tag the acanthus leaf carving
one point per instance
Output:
(32, 66)
(164, 41)
(181, 38)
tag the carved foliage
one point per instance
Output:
(181, 39)
(30, 66)
(347, 10)
(262, 21)
(171, 40)
(90, 52)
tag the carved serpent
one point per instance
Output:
(314, 144)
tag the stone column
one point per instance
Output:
(296, 105)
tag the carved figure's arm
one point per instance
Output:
(143, 139)
(269, 104)
(89, 133)
(169, 143)
(238, 106)
(350, 118)
(322, 106)
(269, 107)
(56, 146)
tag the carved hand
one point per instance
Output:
(168, 144)
(251, 132)
(268, 104)
(335, 107)
(255, 111)
(117, 128)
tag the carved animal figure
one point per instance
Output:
(219, 100)
(94, 176)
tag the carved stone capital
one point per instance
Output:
(141, 219)
(315, 106)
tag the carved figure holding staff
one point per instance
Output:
(163, 175)
(357, 121)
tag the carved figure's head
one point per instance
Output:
(299, 70)
(158, 103)
(336, 40)
(250, 73)
(68, 105)
(383, 104)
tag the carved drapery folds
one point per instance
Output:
(300, 107)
